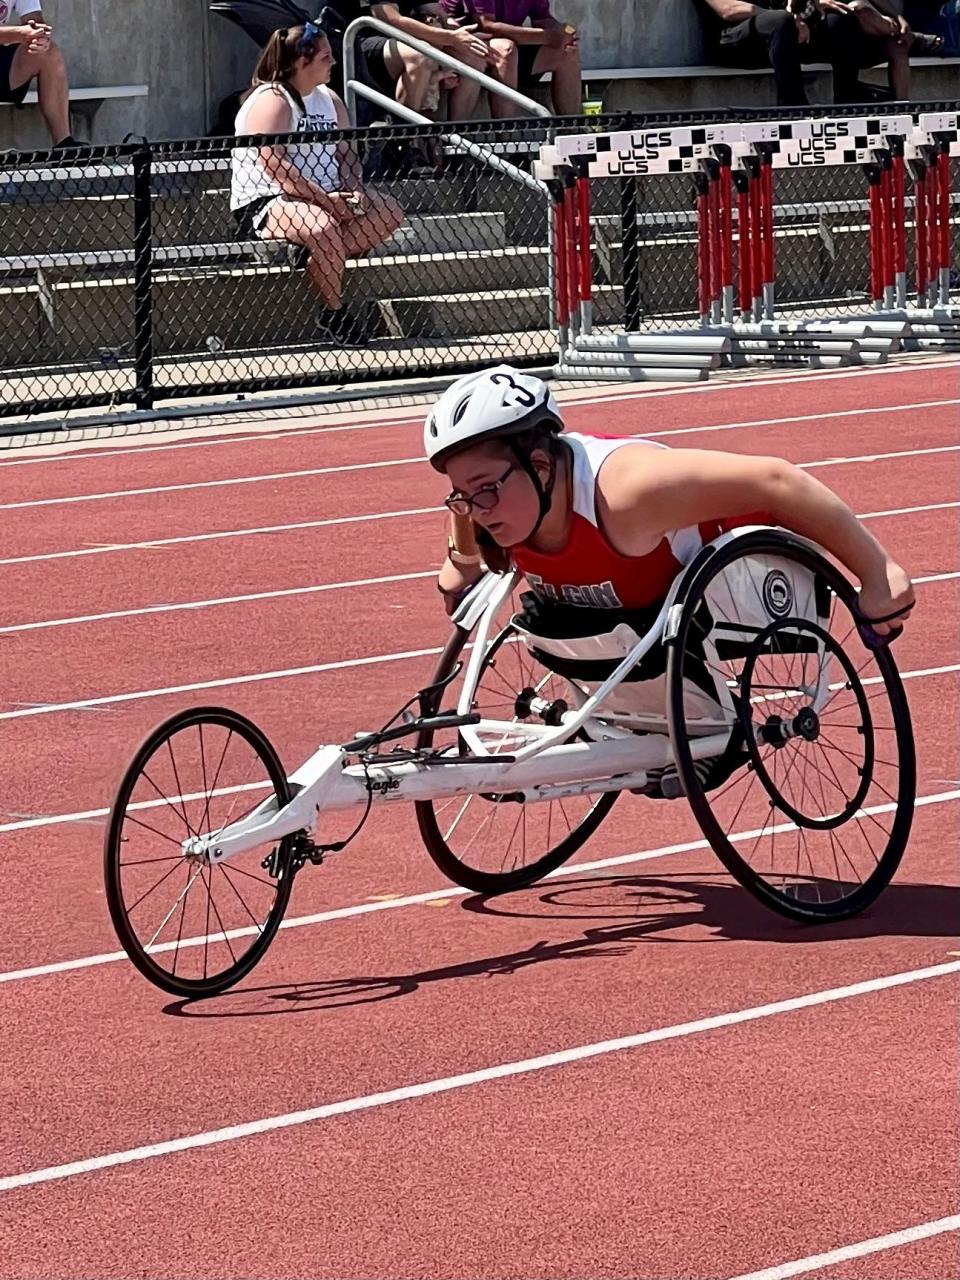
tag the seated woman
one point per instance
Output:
(311, 195)
(599, 524)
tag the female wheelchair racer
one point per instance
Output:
(683, 633)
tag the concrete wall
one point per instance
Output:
(188, 57)
(191, 59)
(636, 33)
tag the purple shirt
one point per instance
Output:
(513, 12)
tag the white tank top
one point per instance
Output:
(316, 161)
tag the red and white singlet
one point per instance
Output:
(588, 570)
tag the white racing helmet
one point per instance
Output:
(479, 406)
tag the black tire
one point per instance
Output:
(448, 862)
(209, 984)
(743, 763)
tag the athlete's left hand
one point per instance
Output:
(890, 592)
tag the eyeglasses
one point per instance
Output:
(310, 33)
(484, 499)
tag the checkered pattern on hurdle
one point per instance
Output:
(733, 170)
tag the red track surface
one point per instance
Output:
(712, 1154)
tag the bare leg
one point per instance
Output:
(306, 224)
(53, 86)
(464, 98)
(412, 72)
(898, 68)
(567, 86)
(505, 70)
(378, 222)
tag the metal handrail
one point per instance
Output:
(476, 150)
(350, 83)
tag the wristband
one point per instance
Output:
(461, 557)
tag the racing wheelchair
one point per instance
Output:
(756, 691)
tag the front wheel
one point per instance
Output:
(191, 927)
(498, 843)
(811, 804)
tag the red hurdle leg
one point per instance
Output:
(560, 296)
(570, 247)
(585, 247)
(899, 228)
(742, 181)
(933, 236)
(920, 228)
(726, 243)
(756, 237)
(944, 254)
(876, 238)
(888, 270)
(768, 275)
(702, 187)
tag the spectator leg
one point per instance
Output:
(377, 223)
(465, 94)
(769, 37)
(898, 67)
(53, 86)
(567, 86)
(507, 71)
(412, 72)
(307, 225)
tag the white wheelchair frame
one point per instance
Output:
(543, 763)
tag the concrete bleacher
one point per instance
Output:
(22, 127)
(701, 86)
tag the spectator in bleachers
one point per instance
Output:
(526, 41)
(787, 34)
(310, 194)
(411, 75)
(28, 53)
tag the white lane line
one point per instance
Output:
(207, 484)
(196, 605)
(343, 664)
(850, 1252)
(155, 543)
(468, 1079)
(376, 466)
(245, 434)
(418, 899)
(314, 588)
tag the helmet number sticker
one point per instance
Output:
(520, 395)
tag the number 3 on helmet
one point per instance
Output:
(480, 406)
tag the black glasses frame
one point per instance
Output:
(462, 504)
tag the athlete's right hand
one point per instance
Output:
(454, 581)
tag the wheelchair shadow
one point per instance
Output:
(616, 914)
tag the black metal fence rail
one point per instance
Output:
(126, 280)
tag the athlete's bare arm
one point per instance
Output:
(643, 492)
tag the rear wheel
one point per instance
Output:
(810, 809)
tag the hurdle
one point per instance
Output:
(923, 159)
(732, 168)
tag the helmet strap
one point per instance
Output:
(544, 492)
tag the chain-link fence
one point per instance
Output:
(137, 274)
(150, 272)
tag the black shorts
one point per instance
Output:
(7, 54)
(373, 49)
(526, 57)
(246, 217)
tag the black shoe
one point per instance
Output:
(342, 328)
(66, 143)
